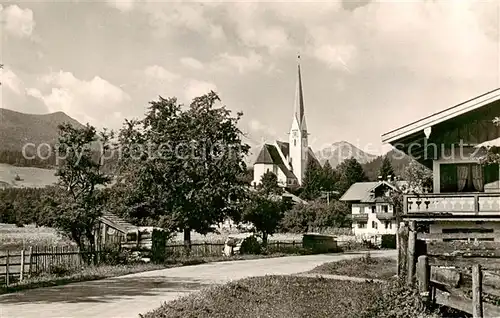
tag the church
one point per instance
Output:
(288, 160)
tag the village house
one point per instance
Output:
(372, 212)
(288, 160)
(466, 193)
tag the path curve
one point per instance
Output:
(129, 295)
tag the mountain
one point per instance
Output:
(398, 159)
(17, 129)
(340, 151)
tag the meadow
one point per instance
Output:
(29, 177)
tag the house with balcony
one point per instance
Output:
(466, 191)
(372, 211)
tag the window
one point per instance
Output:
(374, 208)
(295, 142)
(361, 225)
(385, 208)
(468, 177)
(374, 225)
(388, 225)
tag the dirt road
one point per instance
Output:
(130, 295)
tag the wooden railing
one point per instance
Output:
(454, 203)
(462, 274)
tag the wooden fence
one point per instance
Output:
(457, 270)
(16, 266)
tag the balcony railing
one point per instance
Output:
(454, 203)
(361, 217)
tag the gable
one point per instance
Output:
(442, 116)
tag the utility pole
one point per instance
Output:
(327, 193)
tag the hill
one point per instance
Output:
(17, 129)
(398, 159)
(340, 151)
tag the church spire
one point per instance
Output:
(299, 99)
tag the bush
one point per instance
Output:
(59, 270)
(250, 245)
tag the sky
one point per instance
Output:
(368, 67)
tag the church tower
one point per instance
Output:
(299, 147)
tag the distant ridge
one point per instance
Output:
(337, 152)
(17, 129)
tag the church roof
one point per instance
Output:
(285, 147)
(269, 155)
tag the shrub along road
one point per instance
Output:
(130, 295)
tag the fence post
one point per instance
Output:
(7, 274)
(21, 272)
(423, 273)
(29, 260)
(412, 242)
(477, 303)
(402, 250)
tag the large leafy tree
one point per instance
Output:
(350, 171)
(265, 207)
(386, 169)
(182, 166)
(76, 203)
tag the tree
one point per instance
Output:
(316, 215)
(335, 215)
(313, 181)
(301, 218)
(386, 169)
(330, 177)
(493, 153)
(77, 202)
(269, 184)
(350, 171)
(418, 177)
(265, 207)
(182, 167)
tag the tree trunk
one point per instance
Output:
(264, 239)
(187, 241)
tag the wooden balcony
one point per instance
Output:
(359, 217)
(474, 205)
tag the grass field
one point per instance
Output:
(365, 267)
(30, 177)
(296, 297)
(15, 238)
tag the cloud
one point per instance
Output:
(243, 64)
(258, 127)
(194, 88)
(254, 30)
(10, 80)
(338, 57)
(17, 21)
(122, 5)
(176, 16)
(159, 73)
(191, 63)
(78, 98)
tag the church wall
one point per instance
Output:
(259, 170)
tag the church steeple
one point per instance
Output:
(299, 100)
(299, 148)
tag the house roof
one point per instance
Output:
(360, 191)
(117, 222)
(442, 116)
